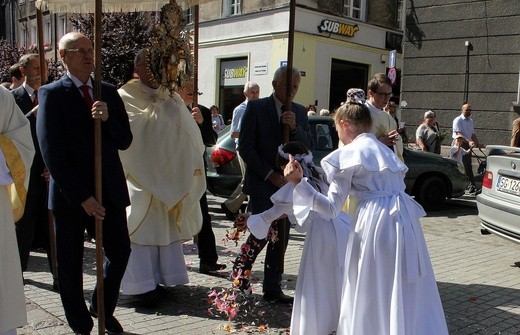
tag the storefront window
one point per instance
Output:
(234, 72)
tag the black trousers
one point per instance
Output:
(70, 228)
(206, 237)
(33, 225)
(272, 264)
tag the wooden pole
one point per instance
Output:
(195, 56)
(282, 224)
(52, 245)
(98, 169)
(41, 48)
(50, 216)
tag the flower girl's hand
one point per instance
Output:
(241, 221)
(293, 171)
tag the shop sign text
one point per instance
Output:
(239, 72)
(335, 27)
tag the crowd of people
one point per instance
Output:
(429, 137)
(377, 260)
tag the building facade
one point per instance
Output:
(20, 27)
(337, 45)
(458, 51)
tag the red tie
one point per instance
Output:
(86, 95)
(35, 101)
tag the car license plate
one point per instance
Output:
(508, 185)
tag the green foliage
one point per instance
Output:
(123, 34)
(9, 55)
(55, 70)
(442, 135)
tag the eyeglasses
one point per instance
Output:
(82, 51)
(385, 95)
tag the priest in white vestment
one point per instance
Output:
(383, 125)
(165, 176)
(16, 155)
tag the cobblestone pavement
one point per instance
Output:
(478, 278)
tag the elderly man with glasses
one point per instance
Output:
(65, 129)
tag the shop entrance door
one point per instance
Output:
(230, 97)
(345, 75)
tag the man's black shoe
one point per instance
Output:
(149, 299)
(160, 290)
(111, 324)
(207, 268)
(278, 297)
(229, 214)
(55, 285)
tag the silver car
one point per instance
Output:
(499, 203)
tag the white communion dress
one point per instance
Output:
(389, 286)
(318, 287)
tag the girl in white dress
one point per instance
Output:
(389, 287)
(318, 288)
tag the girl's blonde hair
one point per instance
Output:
(357, 113)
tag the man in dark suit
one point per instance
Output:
(65, 129)
(34, 222)
(206, 238)
(259, 139)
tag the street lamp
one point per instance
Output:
(469, 47)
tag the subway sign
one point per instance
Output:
(338, 28)
(238, 72)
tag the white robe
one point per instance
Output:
(165, 175)
(316, 304)
(382, 124)
(16, 151)
(389, 286)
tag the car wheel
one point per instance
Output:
(431, 193)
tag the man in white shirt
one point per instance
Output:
(235, 200)
(463, 125)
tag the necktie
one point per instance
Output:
(86, 95)
(35, 101)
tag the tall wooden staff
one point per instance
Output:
(282, 224)
(98, 170)
(50, 217)
(195, 55)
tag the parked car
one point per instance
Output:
(223, 168)
(499, 202)
(430, 178)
